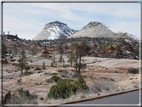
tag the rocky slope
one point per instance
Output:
(54, 30)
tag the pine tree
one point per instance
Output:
(4, 51)
(15, 50)
(61, 59)
(71, 58)
(87, 48)
(22, 60)
(43, 65)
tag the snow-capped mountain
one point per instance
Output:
(55, 30)
(96, 29)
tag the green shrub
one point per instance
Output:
(43, 65)
(54, 74)
(73, 70)
(111, 79)
(62, 71)
(23, 98)
(85, 76)
(27, 68)
(63, 89)
(19, 81)
(81, 83)
(26, 74)
(52, 64)
(49, 80)
(55, 78)
(64, 75)
(39, 71)
(6, 98)
(69, 80)
(132, 70)
(96, 55)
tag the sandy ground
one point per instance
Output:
(99, 75)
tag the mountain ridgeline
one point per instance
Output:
(59, 30)
(97, 39)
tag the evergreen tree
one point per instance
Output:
(15, 50)
(10, 51)
(43, 65)
(27, 68)
(22, 60)
(60, 49)
(4, 51)
(61, 59)
(71, 58)
(87, 48)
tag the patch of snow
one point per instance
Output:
(126, 40)
(113, 30)
(127, 51)
(24, 43)
(137, 57)
(133, 36)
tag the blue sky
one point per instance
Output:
(28, 19)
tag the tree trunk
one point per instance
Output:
(71, 63)
(79, 64)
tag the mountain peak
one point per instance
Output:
(92, 24)
(95, 29)
(55, 30)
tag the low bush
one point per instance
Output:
(37, 68)
(39, 71)
(63, 89)
(24, 97)
(132, 70)
(55, 78)
(27, 68)
(19, 81)
(81, 84)
(54, 74)
(69, 80)
(62, 71)
(96, 55)
(27, 73)
(64, 75)
(49, 80)
(73, 70)
(52, 64)
(85, 76)
(111, 79)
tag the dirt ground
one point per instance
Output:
(102, 75)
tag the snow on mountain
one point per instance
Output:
(133, 36)
(95, 29)
(98, 29)
(113, 30)
(55, 30)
